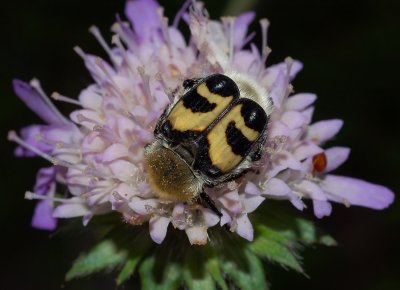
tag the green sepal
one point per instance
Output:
(275, 247)
(155, 277)
(103, 256)
(247, 275)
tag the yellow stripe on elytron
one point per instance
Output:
(220, 151)
(183, 119)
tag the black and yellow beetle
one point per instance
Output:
(210, 135)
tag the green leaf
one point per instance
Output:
(249, 274)
(307, 232)
(155, 277)
(127, 270)
(275, 252)
(327, 240)
(196, 276)
(213, 268)
(104, 255)
(198, 283)
(142, 244)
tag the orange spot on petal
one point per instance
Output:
(320, 162)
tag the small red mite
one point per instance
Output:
(320, 162)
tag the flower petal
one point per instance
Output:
(242, 22)
(324, 130)
(293, 119)
(143, 206)
(44, 178)
(358, 192)
(158, 228)
(277, 187)
(252, 189)
(210, 218)
(143, 14)
(231, 201)
(322, 208)
(43, 216)
(305, 150)
(251, 202)
(31, 97)
(311, 189)
(299, 102)
(244, 227)
(69, 210)
(336, 156)
(197, 235)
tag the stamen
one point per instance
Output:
(265, 50)
(146, 85)
(229, 25)
(180, 13)
(164, 28)
(12, 136)
(100, 64)
(123, 30)
(58, 97)
(289, 88)
(264, 32)
(94, 30)
(32, 195)
(80, 52)
(116, 40)
(248, 39)
(36, 85)
(81, 118)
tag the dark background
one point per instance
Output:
(350, 50)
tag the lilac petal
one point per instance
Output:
(293, 119)
(125, 191)
(144, 17)
(43, 216)
(69, 210)
(358, 192)
(244, 227)
(241, 25)
(287, 160)
(29, 135)
(299, 102)
(197, 235)
(277, 128)
(252, 189)
(305, 150)
(231, 201)
(90, 99)
(115, 151)
(277, 187)
(123, 169)
(336, 156)
(296, 67)
(143, 206)
(31, 97)
(296, 202)
(311, 189)
(210, 218)
(251, 202)
(322, 208)
(308, 113)
(44, 178)
(226, 218)
(158, 228)
(278, 89)
(324, 130)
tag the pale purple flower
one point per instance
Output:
(97, 153)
